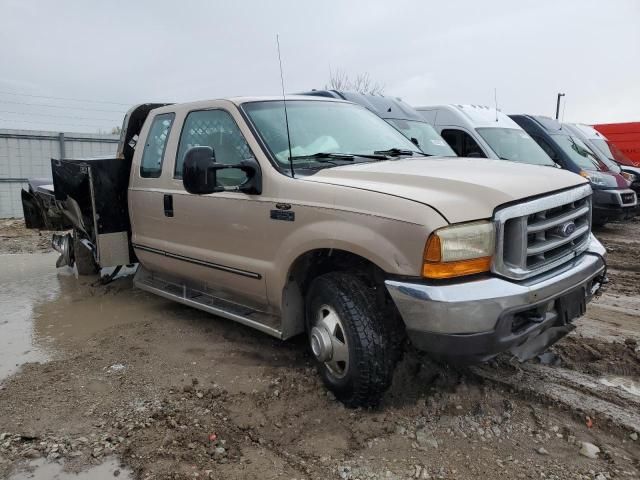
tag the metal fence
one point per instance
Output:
(27, 154)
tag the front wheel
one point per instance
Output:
(352, 349)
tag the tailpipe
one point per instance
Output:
(63, 244)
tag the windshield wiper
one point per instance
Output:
(347, 157)
(324, 155)
(396, 152)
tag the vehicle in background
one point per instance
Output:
(624, 138)
(612, 197)
(399, 114)
(598, 144)
(330, 224)
(483, 132)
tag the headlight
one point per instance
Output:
(599, 179)
(629, 177)
(459, 250)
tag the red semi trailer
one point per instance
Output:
(624, 138)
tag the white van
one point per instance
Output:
(484, 132)
(599, 144)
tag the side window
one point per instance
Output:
(462, 143)
(218, 130)
(153, 154)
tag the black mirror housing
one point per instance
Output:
(200, 172)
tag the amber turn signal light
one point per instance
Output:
(441, 270)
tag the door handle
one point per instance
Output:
(168, 205)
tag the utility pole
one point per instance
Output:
(558, 105)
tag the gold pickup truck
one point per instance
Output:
(314, 216)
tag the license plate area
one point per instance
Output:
(571, 306)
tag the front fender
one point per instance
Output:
(394, 246)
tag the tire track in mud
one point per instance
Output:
(576, 391)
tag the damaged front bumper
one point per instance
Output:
(477, 319)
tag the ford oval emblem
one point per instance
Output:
(567, 229)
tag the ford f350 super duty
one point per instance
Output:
(324, 220)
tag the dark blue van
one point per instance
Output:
(612, 197)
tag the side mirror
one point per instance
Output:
(200, 173)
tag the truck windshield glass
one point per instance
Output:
(515, 145)
(327, 127)
(578, 152)
(428, 139)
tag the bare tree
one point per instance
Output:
(340, 80)
(116, 130)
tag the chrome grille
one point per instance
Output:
(540, 234)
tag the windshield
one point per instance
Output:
(619, 156)
(604, 155)
(578, 152)
(322, 126)
(428, 139)
(515, 145)
(603, 146)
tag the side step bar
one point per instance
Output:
(181, 293)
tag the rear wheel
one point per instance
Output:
(353, 351)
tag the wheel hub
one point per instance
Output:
(321, 343)
(329, 341)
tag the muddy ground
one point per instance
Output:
(112, 381)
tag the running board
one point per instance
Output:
(181, 293)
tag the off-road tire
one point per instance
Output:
(371, 350)
(83, 257)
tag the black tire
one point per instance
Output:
(600, 223)
(83, 257)
(371, 351)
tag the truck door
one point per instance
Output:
(213, 238)
(147, 212)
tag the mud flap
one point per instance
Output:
(538, 344)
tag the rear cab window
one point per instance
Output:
(155, 146)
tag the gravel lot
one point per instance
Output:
(109, 380)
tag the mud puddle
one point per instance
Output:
(85, 307)
(42, 470)
(25, 281)
(44, 308)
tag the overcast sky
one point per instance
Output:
(425, 52)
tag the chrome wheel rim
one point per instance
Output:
(329, 341)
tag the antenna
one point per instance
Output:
(284, 101)
(495, 98)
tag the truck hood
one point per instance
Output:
(461, 189)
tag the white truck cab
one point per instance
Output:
(484, 132)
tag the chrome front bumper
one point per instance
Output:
(480, 315)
